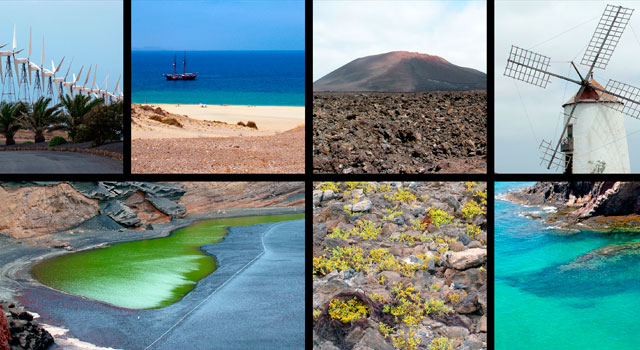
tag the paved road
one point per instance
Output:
(260, 308)
(54, 162)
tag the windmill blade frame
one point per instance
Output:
(606, 36)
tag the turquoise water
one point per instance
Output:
(544, 302)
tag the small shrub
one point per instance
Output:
(441, 343)
(172, 121)
(156, 118)
(58, 140)
(439, 217)
(251, 124)
(241, 123)
(471, 209)
(327, 185)
(348, 311)
(401, 195)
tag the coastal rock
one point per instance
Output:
(364, 205)
(122, 214)
(372, 339)
(466, 259)
(26, 334)
(167, 206)
(29, 211)
(5, 335)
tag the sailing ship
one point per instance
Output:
(184, 75)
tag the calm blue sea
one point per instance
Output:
(268, 78)
(542, 302)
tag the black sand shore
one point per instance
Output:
(109, 326)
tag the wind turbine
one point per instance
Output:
(23, 85)
(38, 86)
(596, 140)
(70, 84)
(78, 88)
(8, 89)
(102, 92)
(89, 90)
(51, 74)
(60, 81)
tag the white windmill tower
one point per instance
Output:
(70, 84)
(59, 82)
(8, 88)
(50, 76)
(594, 139)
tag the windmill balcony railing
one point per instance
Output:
(567, 144)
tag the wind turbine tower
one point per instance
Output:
(8, 88)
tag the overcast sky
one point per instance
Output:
(346, 30)
(560, 30)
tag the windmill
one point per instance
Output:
(117, 93)
(79, 88)
(23, 84)
(38, 86)
(8, 89)
(595, 140)
(102, 93)
(59, 82)
(70, 84)
(88, 90)
(51, 74)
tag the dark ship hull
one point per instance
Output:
(185, 76)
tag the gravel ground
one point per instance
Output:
(400, 132)
(281, 153)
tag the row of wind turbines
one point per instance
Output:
(45, 83)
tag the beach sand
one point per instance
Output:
(272, 119)
(192, 139)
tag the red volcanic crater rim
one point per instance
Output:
(401, 71)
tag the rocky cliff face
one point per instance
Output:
(32, 209)
(587, 199)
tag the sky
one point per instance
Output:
(89, 32)
(346, 30)
(525, 114)
(218, 25)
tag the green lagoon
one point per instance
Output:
(145, 274)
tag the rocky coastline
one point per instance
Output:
(593, 206)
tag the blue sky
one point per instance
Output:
(217, 25)
(90, 32)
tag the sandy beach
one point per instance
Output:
(163, 134)
(270, 119)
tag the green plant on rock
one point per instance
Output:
(418, 225)
(392, 213)
(348, 311)
(454, 298)
(364, 228)
(472, 208)
(434, 306)
(408, 341)
(328, 185)
(470, 185)
(316, 314)
(439, 217)
(473, 230)
(385, 330)
(401, 195)
(366, 187)
(441, 343)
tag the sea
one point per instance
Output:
(263, 78)
(543, 302)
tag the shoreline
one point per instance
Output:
(269, 119)
(83, 321)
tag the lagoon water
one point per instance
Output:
(267, 78)
(542, 303)
(144, 274)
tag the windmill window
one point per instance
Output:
(570, 131)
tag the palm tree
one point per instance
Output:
(9, 124)
(40, 117)
(75, 109)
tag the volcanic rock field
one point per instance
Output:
(399, 265)
(426, 132)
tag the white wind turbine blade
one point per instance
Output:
(88, 74)
(117, 84)
(68, 69)
(15, 42)
(95, 71)
(59, 65)
(42, 65)
(1, 46)
(29, 53)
